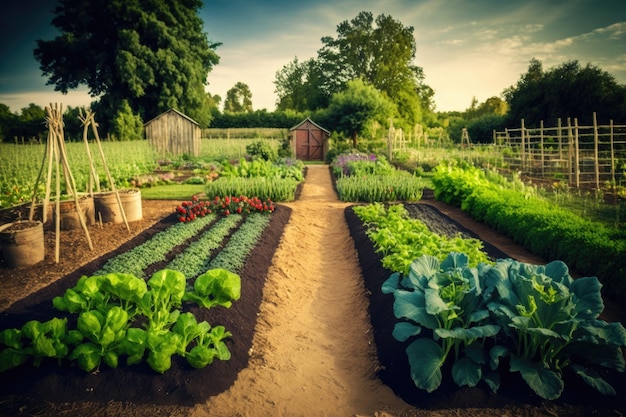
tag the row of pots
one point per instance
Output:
(22, 242)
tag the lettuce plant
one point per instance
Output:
(551, 322)
(120, 315)
(448, 300)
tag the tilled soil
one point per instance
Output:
(311, 335)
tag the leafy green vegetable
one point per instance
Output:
(551, 322)
(448, 299)
(215, 287)
(536, 315)
(104, 332)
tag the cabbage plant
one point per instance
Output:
(551, 323)
(537, 316)
(448, 300)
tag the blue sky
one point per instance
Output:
(467, 48)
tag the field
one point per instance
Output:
(318, 320)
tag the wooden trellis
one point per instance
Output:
(88, 120)
(56, 156)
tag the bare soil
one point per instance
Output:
(309, 330)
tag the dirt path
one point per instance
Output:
(312, 353)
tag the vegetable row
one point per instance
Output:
(371, 178)
(121, 316)
(400, 239)
(587, 247)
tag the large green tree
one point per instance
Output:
(379, 51)
(566, 91)
(151, 53)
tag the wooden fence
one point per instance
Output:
(584, 156)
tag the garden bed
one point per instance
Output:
(181, 385)
(394, 363)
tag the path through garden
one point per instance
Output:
(313, 352)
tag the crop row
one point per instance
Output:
(400, 239)
(585, 246)
(195, 258)
(370, 178)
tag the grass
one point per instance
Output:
(172, 192)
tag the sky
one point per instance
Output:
(467, 48)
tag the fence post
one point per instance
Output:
(570, 146)
(576, 153)
(541, 144)
(596, 163)
(523, 148)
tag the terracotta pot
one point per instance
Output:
(21, 243)
(108, 209)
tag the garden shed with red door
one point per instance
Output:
(309, 141)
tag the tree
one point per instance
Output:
(292, 86)
(8, 123)
(126, 125)
(359, 106)
(153, 54)
(238, 99)
(382, 55)
(568, 90)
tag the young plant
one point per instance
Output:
(215, 287)
(104, 332)
(448, 300)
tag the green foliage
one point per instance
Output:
(196, 257)
(238, 99)
(400, 186)
(233, 256)
(380, 52)
(137, 260)
(447, 300)
(263, 150)
(274, 189)
(400, 239)
(551, 323)
(126, 125)
(156, 56)
(370, 178)
(538, 316)
(359, 105)
(215, 287)
(568, 90)
(120, 316)
(542, 227)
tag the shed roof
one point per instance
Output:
(310, 121)
(172, 110)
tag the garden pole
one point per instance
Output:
(106, 169)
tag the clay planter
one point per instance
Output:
(108, 209)
(21, 243)
(69, 215)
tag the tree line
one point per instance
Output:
(156, 56)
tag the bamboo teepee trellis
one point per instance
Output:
(88, 120)
(56, 156)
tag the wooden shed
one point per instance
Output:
(174, 133)
(309, 141)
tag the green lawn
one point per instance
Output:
(172, 192)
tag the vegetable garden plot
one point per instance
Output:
(395, 369)
(181, 385)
